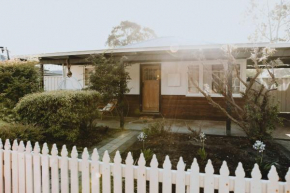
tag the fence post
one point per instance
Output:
(194, 177)
(240, 186)
(15, 167)
(141, 179)
(95, 172)
(45, 169)
(36, 168)
(29, 168)
(74, 171)
(54, 170)
(129, 178)
(167, 183)
(180, 176)
(21, 167)
(7, 166)
(106, 173)
(85, 172)
(117, 173)
(154, 183)
(224, 181)
(287, 186)
(256, 185)
(209, 178)
(273, 185)
(64, 170)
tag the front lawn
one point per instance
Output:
(218, 148)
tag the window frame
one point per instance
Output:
(84, 75)
(201, 64)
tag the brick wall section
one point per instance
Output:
(182, 107)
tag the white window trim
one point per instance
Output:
(84, 74)
(242, 63)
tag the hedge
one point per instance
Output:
(61, 113)
(16, 80)
(21, 132)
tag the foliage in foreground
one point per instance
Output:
(63, 114)
(16, 80)
(21, 132)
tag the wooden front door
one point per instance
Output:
(150, 88)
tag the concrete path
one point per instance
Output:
(181, 126)
(120, 141)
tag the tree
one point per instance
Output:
(258, 115)
(127, 33)
(271, 21)
(110, 79)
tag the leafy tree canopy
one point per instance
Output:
(127, 33)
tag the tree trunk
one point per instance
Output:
(121, 96)
(229, 95)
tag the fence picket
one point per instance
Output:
(224, 181)
(129, 178)
(45, 169)
(28, 168)
(194, 177)
(36, 168)
(85, 172)
(256, 185)
(287, 178)
(141, 179)
(7, 166)
(273, 185)
(180, 176)
(117, 173)
(1, 168)
(64, 170)
(15, 167)
(167, 184)
(95, 172)
(74, 171)
(21, 168)
(54, 170)
(154, 185)
(209, 178)
(106, 173)
(240, 186)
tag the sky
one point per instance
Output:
(45, 26)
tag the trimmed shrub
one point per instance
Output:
(21, 132)
(16, 80)
(61, 113)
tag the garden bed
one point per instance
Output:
(218, 148)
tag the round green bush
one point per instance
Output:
(61, 113)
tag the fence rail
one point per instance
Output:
(27, 170)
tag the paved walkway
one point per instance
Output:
(181, 126)
(120, 141)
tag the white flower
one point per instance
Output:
(142, 136)
(202, 137)
(259, 146)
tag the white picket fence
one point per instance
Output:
(26, 170)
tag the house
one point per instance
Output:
(161, 72)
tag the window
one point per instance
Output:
(193, 77)
(87, 74)
(211, 78)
